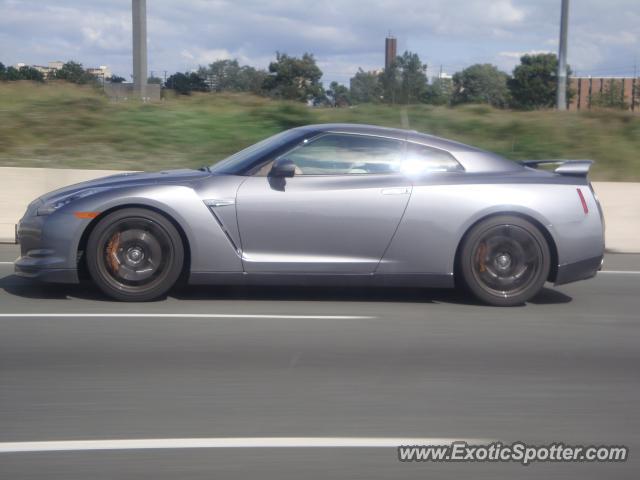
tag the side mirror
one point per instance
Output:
(283, 168)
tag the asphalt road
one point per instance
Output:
(370, 364)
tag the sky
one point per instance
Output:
(343, 35)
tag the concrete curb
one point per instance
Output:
(7, 233)
(620, 202)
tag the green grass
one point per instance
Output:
(65, 126)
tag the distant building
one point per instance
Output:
(50, 69)
(443, 76)
(390, 50)
(102, 72)
(56, 65)
(585, 89)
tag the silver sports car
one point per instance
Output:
(325, 205)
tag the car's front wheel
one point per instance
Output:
(135, 254)
(504, 260)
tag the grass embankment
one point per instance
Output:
(58, 125)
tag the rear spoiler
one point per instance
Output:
(574, 168)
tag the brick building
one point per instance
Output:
(588, 90)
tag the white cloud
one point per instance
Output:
(517, 55)
(503, 11)
(203, 57)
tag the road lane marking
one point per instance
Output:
(6, 263)
(182, 315)
(227, 442)
(620, 272)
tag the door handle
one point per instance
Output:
(396, 191)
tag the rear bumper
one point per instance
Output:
(572, 272)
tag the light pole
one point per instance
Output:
(562, 57)
(139, 20)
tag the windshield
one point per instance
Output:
(245, 159)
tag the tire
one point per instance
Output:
(135, 255)
(504, 260)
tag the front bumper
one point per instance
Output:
(582, 270)
(47, 247)
(43, 274)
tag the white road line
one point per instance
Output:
(6, 263)
(181, 315)
(620, 272)
(237, 442)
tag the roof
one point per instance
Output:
(398, 133)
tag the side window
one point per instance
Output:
(347, 154)
(423, 159)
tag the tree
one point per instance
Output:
(481, 83)
(294, 78)
(365, 87)
(221, 75)
(338, 95)
(228, 75)
(438, 92)
(30, 73)
(73, 72)
(404, 80)
(251, 79)
(413, 75)
(611, 96)
(185, 83)
(12, 74)
(115, 79)
(153, 80)
(535, 82)
(22, 73)
(390, 82)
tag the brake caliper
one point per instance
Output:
(480, 254)
(112, 252)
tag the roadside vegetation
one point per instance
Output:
(63, 125)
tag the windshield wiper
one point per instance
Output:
(205, 168)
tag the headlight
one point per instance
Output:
(49, 208)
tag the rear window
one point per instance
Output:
(423, 159)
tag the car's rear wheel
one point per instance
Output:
(135, 254)
(505, 260)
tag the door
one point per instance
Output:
(336, 215)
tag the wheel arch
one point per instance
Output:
(553, 248)
(84, 238)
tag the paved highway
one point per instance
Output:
(250, 366)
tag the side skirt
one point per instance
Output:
(427, 280)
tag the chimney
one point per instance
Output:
(390, 50)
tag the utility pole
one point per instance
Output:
(139, 20)
(562, 57)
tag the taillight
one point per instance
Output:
(583, 201)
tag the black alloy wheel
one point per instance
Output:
(505, 260)
(135, 255)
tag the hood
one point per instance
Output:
(183, 176)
